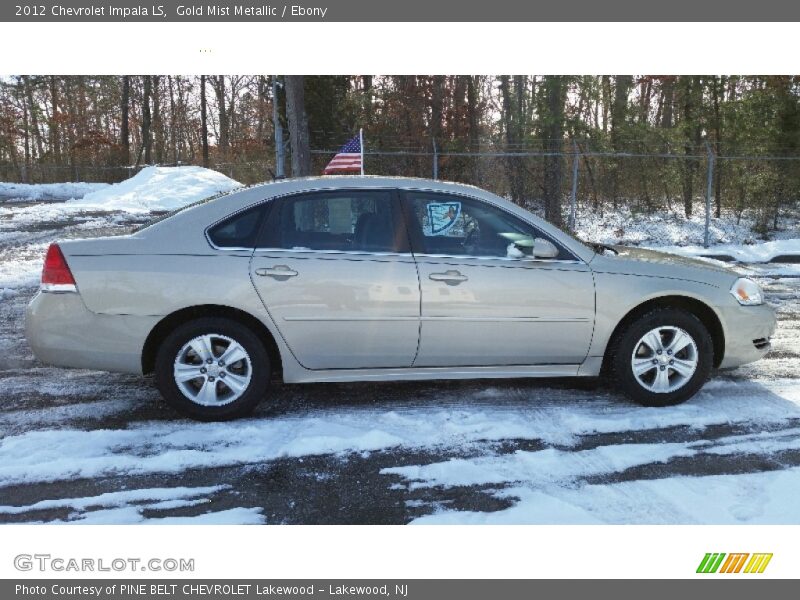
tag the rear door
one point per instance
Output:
(335, 271)
(481, 306)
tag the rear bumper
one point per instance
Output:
(63, 332)
(748, 330)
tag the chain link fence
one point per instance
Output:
(694, 182)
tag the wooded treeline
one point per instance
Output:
(640, 141)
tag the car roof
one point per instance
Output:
(362, 181)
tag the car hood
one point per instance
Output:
(644, 262)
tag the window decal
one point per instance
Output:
(441, 217)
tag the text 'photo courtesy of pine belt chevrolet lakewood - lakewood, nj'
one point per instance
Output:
(377, 279)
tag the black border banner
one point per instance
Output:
(405, 11)
(733, 588)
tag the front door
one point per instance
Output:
(483, 305)
(335, 272)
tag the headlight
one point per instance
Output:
(747, 292)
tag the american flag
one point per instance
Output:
(349, 159)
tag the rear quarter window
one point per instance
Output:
(239, 230)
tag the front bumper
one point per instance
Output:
(63, 332)
(748, 330)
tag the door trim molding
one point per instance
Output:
(448, 319)
(510, 319)
(433, 373)
(359, 319)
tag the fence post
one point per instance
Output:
(709, 180)
(573, 198)
(435, 161)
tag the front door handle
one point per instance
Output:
(281, 272)
(449, 277)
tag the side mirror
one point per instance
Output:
(544, 249)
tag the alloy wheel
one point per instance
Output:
(664, 359)
(212, 370)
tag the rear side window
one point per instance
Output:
(346, 221)
(239, 230)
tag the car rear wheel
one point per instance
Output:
(212, 369)
(662, 358)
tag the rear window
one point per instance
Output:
(239, 230)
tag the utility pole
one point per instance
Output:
(280, 150)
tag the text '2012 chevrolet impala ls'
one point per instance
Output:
(377, 279)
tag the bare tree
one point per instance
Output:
(204, 120)
(298, 125)
(55, 129)
(124, 132)
(173, 122)
(553, 131)
(146, 143)
(157, 125)
(224, 121)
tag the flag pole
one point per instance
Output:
(361, 144)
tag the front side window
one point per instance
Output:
(347, 221)
(457, 226)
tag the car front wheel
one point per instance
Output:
(662, 358)
(212, 369)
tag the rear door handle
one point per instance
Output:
(277, 272)
(449, 277)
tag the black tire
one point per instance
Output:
(623, 347)
(259, 369)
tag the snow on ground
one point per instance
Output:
(130, 506)
(754, 253)
(551, 485)
(672, 228)
(47, 191)
(671, 231)
(159, 188)
(24, 271)
(752, 498)
(61, 454)
(543, 485)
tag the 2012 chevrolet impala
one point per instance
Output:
(377, 279)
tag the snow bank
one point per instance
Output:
(49, 191)
(756, 253)
(672, 228)
(671, 231)
(157, 189)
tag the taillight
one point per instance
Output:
(56, 276)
